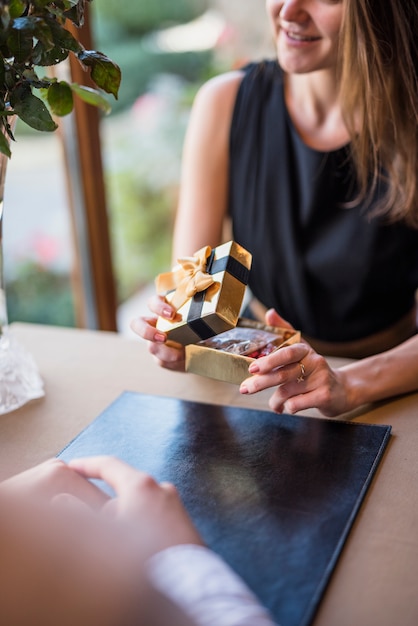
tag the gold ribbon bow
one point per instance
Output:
(187, 279)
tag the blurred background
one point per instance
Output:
(166, 50)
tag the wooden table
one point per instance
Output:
(375, 582)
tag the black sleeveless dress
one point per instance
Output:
(330, 270)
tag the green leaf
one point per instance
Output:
(104, 72)
(2, 70)
(32, 26)
(20, 45)
(60, 98)
(45, 58)
(9, 79)
(32, 111)
(33, 80)
(76, 13)
(4, 145)
(7, 129)
(41, 3)
(91, 96)
(17, 8)
(69, 4)
(62, 37)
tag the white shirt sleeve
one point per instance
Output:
(205, 588)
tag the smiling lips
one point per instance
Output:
(299, 37)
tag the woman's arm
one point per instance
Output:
(384, 375)
(304, 380)
(204, 179)
(203, 198)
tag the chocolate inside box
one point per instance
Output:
(228, 355)
(243, 341)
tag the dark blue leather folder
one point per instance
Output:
(274, 495)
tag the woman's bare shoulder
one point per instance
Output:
(219, 93)
(211, 116)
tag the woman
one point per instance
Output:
(315, 160)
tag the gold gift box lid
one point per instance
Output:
(207, 291)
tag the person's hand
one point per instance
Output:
(71, 563)
(303, 378)
(154, 511)
(168, 356)
(51, 479)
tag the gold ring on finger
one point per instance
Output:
(301, 376)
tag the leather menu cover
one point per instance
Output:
(274, 495)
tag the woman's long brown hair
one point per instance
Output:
(379, 89)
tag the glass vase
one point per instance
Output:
(19, 377)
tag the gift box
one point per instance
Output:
(227, 356)
(207, 291)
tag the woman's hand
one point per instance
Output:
(171, 357)
(303, 378)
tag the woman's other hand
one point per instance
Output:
(303, 378)
(168, 356)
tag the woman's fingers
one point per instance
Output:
(282, 401)
(287, 356)
(167, 356)
(145, 328)
(274, 319)
(160, 306)
(281, 376)
(302, 380)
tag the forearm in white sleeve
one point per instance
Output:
(205, 588)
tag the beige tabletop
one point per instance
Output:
(376, 578)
